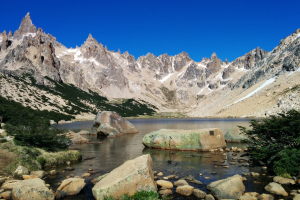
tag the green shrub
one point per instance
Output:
(141, 195)
(288, 162)
(275, 141)
(38, 134)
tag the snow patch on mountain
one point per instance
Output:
(266, 83)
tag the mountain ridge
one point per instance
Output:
(170, 83)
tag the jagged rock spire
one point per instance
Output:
(90, 40)
(26, 26)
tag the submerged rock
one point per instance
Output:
(32, 189)
(69, 187)
(112, 124)
(229, 188)
(132, 176)
(194, 140)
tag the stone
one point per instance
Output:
(193, 140)
(165, 192)
(52, 172)
(38, 174)
(249, 196)
(111, 124)
(185, 190)
(9, 184)
(6, 195)
(132, 176)
(284, 181)
(76, 138)
(20, 171)
(229, 188)
(209, 197)
(254, 174)
(85, 175)
(165, 184)
(276, 188)
(32, 189)
(181, 182)
(265, 197)
(69, 187)
(160, 174)
(296, 197)
(199, 193)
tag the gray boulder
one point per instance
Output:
(32, 189)
(229, 188)
(112, 124)
(132, 176)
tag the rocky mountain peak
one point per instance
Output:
(213, 56)
(25, 27)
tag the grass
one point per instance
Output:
(141, 195)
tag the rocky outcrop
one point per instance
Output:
(193, 140)
(112, 124)
(69, 187)
(132, 176)
(32, 189)
(25, 27)
(229, 188)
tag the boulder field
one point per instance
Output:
(110, 124)
(185, 140)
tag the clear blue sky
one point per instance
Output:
(230, 27)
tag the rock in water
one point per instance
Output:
(32, 189)
(193, 140)
(69, 187)
(284, 181)
(132, 176)
(276, 188)
(229, 188)
(112, 124)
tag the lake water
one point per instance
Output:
(112, 152)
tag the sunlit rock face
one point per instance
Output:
(173, 83)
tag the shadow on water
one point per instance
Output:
(203, 166)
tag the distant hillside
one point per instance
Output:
(65, 98)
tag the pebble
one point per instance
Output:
(160, 174)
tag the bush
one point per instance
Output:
(141, 195)
(38, 134)
(275, 141)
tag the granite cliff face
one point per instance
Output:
(211, 87)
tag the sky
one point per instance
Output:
(230, 28)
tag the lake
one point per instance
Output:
(204, 166)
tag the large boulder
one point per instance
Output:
(276, 188)
(132, 176)
(69, 187)
(193, 140)
(229, 188)
(76, 138)
(31, 189)
(112, 124)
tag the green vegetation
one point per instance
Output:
(275, 141)
(36, 158)
(31, 127)
(141, 195)
(79, 100)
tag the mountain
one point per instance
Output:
(256, 84)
